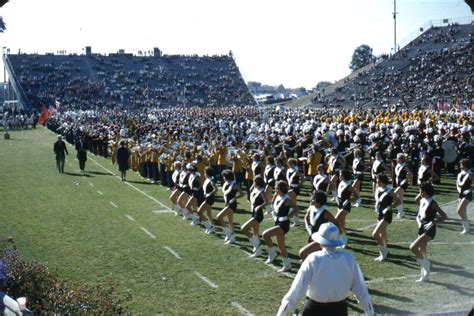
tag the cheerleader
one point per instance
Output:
(378, 167)
(177, 189)
(402, 173)
(185, 192)
(280, 170)
(281, 215)
(425, 173)
(293, 176)
(426, 220)
(196, 195)
(335, 165)
(385, 200)
(258, 201)
(231, 192)
(257, 168)
(321, 181)
(358, 168)
(343, 198)
(315, 216)
(268, 176)
(463, 185)
(209, 189)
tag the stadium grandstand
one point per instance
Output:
(435, 68)
(90, 81)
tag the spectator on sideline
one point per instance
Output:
(326, 276)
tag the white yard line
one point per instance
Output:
(91, 184)
(113, 204)
(206, 280)
(174, 253)
(147, 232)
(241, 309)
(132, 186)
(162, 211)
(129, 217)
(413, 276)
(100, 192)
(367, 227)
(435, 243)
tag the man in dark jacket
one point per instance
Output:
(60, 151)
(81, 153)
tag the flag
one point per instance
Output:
(44, 116)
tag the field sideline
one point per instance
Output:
(94, 227)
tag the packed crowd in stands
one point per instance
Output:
(435, 69)
(96, 81)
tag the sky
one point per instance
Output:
(295, 43)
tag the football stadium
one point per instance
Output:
(152, 183)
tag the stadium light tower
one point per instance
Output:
(395, 26)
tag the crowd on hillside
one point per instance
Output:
(434, 69)
(91, 82)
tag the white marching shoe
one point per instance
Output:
(425, 271)
(227, 233)
(257, 252)
(271, 254)
(210, 230)
(344, 240)
(383, 254)
(466, 228)
(255, 242)
(231, 240)
(401, 212)
(286, 265)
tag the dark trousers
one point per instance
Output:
(82, 164)
(312, 308)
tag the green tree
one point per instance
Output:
(362, 56)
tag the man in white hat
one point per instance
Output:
(326, 276)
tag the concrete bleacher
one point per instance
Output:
(131, 81)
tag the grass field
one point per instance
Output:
(94, 227)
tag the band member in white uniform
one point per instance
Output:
(210, 190)
(464, 187)
(293, 176)
(426, 220)
(378, 167)
(177, 188)
(402, 174)
(258, 201)
(282, 205)
(326, 277)
(344, 192)
(385, 200)
(231, 192)
(315, 217)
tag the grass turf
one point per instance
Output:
(61, 220)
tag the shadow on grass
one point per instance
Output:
(390, 296)
(461, 290)
(139, 182)
(101, 173)
(78, 174)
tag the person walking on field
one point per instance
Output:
(326, 277)
(60, 151)
(122, 160)
(81, 153)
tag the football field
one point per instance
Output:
(92, 227)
